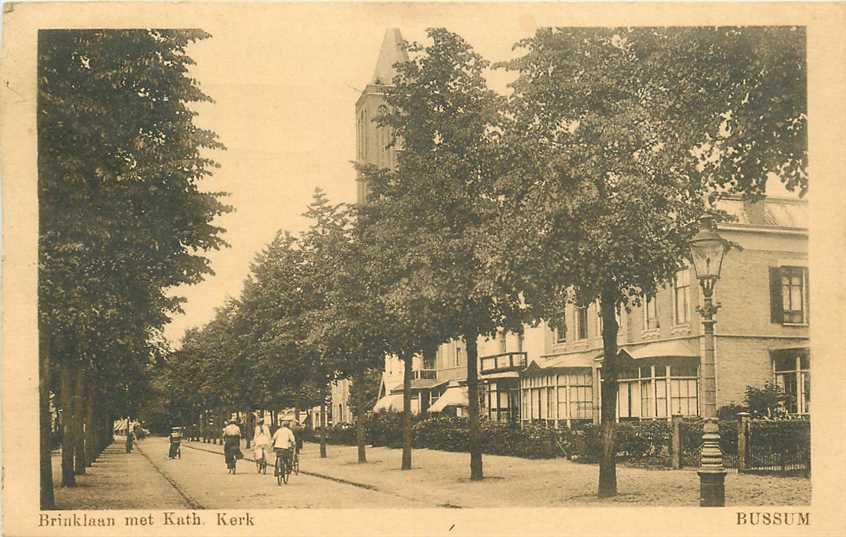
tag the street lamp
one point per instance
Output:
(707, 250)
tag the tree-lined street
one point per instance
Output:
(583, 184)
(432, 482)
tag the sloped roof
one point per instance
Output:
(771, 212)
(657, 349)
(580, 359)
(663, 349)
(390, 53)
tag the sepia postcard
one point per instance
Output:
(451, 268)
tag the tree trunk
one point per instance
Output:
(360, 419)
(79, 404)
(251, 425)
(406, 411)
(66, 394)
(608, 448)
(323, 426)
(90, 425)
(45, 428)
(475, 439)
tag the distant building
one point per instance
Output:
(372, 148)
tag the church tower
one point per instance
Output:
(371, 139)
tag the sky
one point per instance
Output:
(285, 79)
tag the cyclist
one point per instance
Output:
(283, 443)
(262, 439)
(175, 439)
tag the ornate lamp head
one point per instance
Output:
(707, 249)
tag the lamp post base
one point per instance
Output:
(712, 474)
(712, 488)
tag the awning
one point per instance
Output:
(663, 349)
(454, 396)
(420, 384)
(389, 402)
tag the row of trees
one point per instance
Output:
(121, 220)
(584, 183)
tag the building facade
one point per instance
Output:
(553, 374)
(761, 335)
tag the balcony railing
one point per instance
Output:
(423, 374)
(507, 361)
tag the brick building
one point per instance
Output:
(761, 333)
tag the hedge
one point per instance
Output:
(644, 442)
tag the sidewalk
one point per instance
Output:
(442, 478)
(116, 480)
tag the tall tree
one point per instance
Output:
(616, 137)
(121, 214)
(349, 327)
(440, 199)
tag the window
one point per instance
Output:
(650, 313)
(555, 398)
(647, 392)
(458, 351)
(579, 396)
(793, 374)
(681, 296)
(362, 135)
(559, 327)
(581, 322)
(789, 295)
(684, 398)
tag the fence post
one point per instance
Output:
(676, 442)
(742, 437)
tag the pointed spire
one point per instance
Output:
(390, 53)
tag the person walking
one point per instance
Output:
(231, 444)
(130, 438)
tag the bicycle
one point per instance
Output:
(283, 466)
(261, 464)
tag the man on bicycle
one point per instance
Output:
(175, 440)
(283, 443)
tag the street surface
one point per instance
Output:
(201, 476)
(148, 479)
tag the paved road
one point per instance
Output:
(202, 478)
